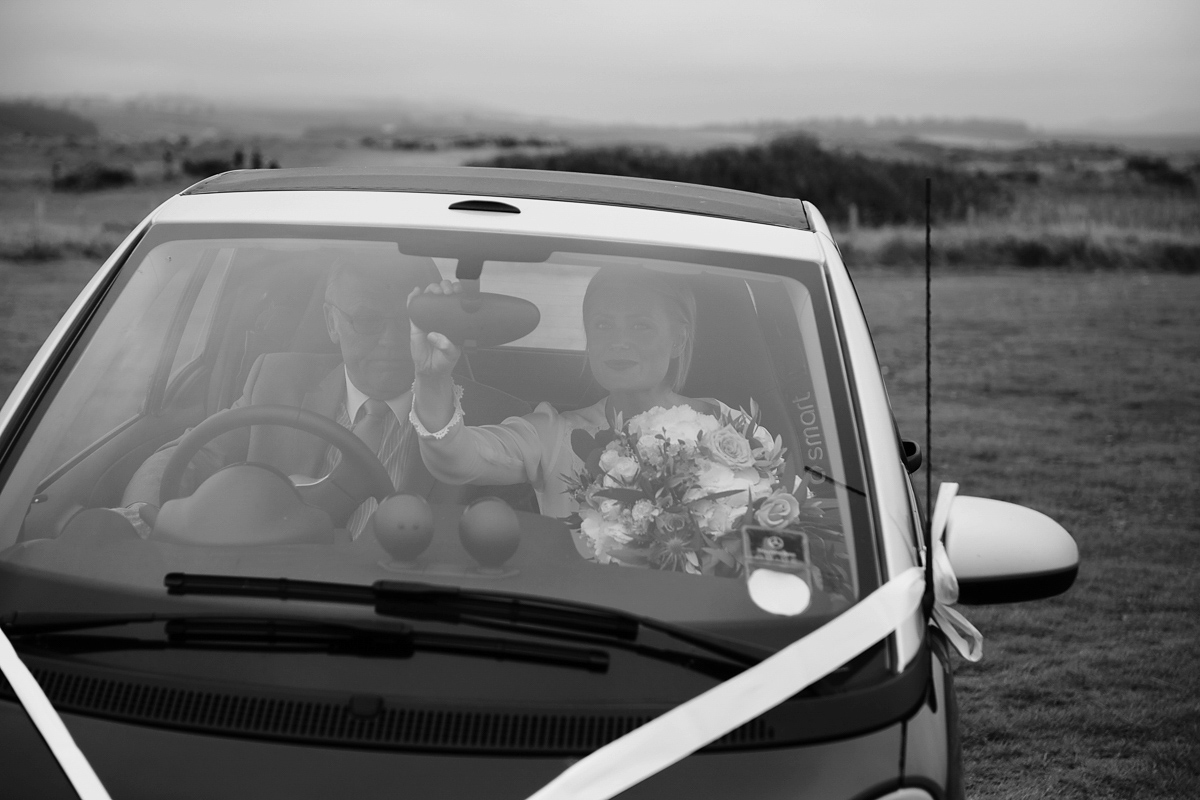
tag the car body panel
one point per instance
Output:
(932, 747)
(483, 182)
(143, 762)
(537, 217)
(882, 450)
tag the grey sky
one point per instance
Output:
(1051, 62)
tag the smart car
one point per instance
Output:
(229, 582)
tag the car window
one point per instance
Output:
(556, 289)
(114, 373)
(199, 322)
(661, 421)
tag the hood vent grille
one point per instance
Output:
(353, 721)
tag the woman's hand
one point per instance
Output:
(434, 356)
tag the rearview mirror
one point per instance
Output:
(1006, 553)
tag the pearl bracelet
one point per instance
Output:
(454, 420)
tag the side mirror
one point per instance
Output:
(911, 453)
(1005, 553)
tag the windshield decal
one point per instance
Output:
(778, 570)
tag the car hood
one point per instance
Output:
(136, 761)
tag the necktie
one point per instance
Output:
(397, 450)
(371, 429)
(371, 423)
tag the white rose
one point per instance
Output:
(609, 508)
(729, 447)
(778, 511)
(719, 518)
(609, 457)
(597, 528)
(590, 526)
(643, 510)
(650, 449)
(612, 535)
(623, 469)
(679, 423)
(714, 477)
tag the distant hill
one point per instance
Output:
(879, 191)
(155, 117)
(891, 128)
(34, 119)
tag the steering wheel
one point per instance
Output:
(357, 477)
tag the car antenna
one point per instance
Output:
(928, 399)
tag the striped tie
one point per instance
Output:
(372, 423)
(393, 444)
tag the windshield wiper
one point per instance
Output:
(539, 616)
(62, 634)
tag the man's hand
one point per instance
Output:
(434, 356)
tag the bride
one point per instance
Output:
(639, 327)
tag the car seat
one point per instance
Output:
(736, 361)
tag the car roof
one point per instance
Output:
(520, 183)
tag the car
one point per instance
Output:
(645, 521)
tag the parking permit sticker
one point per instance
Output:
(778, 570)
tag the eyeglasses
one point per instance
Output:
(371, 324)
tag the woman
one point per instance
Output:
(640, 327)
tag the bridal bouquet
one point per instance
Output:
(672, 488)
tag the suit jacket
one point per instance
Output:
(315, 383)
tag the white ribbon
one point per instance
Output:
(686, 728)
(705, 718)
(49, 724)
(965, 637)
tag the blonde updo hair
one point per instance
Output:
(676, 297)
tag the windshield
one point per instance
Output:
(632, 427)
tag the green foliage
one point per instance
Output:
(29, 243)
(205, 167)
(1143, 212)
(884, 192)
(34, 119)
(1158, 172)
(1062, 247)
(94, 176)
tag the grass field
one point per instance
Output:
(1069, 245)
(1076, 395)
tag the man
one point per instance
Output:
(367, 388)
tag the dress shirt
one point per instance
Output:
(396, 429)
(355, 397)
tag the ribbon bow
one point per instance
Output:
(965, 637)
